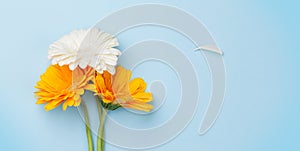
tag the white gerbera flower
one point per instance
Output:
(86, 48)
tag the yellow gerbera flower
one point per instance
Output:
(61, 85)
(118, 90)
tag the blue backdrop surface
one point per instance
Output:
(260, 41)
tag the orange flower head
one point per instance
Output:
(118, 90)
(61, 85)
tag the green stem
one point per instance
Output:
(102, 116)
(87, 127)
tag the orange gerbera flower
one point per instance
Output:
(117, 90)
(61, 85)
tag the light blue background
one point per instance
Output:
(260, 41)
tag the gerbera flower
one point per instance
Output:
(84, 48)
(61, 85)
(118, 91)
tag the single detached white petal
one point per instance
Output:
(83, 48)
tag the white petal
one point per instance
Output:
(72, 66)
(111, 69)
(83, 63)
(91, 47)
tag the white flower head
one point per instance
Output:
(83, 48)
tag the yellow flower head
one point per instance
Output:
(61, 85)
(119, 90)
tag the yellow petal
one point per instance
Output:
(100, 84)
(142, 107)
(61, 85)
(90, 87)
(137, 85)
(143, 97)
(120, 81)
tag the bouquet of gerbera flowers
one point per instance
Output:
(86, 60)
